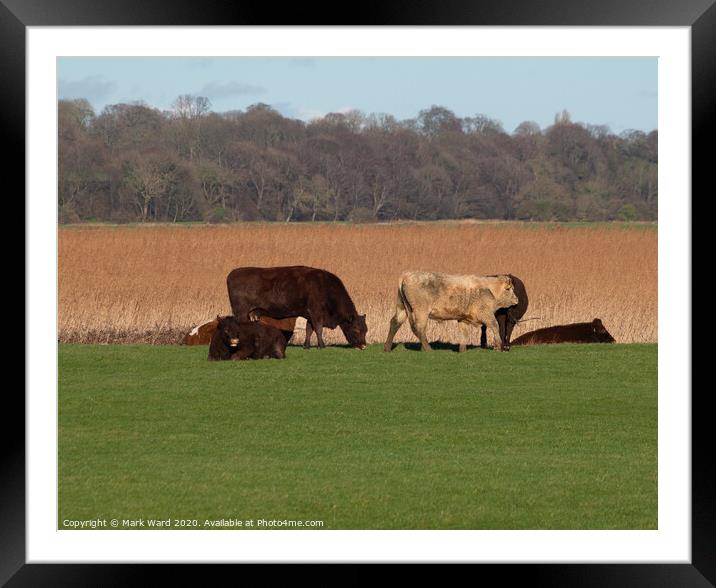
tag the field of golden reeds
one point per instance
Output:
(153, 283)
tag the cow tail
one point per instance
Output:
(403, 298)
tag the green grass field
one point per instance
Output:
(550, 437)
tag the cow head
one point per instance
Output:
(504, 292)
(601, 333)
(228, 328)
(355, 330)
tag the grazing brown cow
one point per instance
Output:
(507, 318)
(281, 292)
(252, 340)
(201, 334)
(593, 332)
(470, 300)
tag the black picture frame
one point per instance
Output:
(16, 15)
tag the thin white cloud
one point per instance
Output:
(305, 113)
(290, 110)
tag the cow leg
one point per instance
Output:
(419, 324)
(495, 329)
(502, 325)
(509, 325)
(309, 332)
(319, 335)
(395, 323)
(464, 336)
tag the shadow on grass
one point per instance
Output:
(437, 346)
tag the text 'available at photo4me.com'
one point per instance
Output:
(171, 523)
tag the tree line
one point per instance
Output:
(134, 163)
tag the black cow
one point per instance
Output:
(593, 332)
(507, 318)
(251, 340)
(282, 292)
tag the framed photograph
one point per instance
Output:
(406, 193)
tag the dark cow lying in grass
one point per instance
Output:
(593, 332)
(254, 340)
(201, 334)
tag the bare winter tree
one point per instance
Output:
(133, 162)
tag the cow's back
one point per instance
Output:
(437, 290)
(288, 291)
(257, 287)
(420, 288)
(574, 333)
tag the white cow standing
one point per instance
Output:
(470, 300)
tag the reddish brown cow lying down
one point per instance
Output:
(593, 332)
(201, 334)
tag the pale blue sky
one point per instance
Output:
(618, 92)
